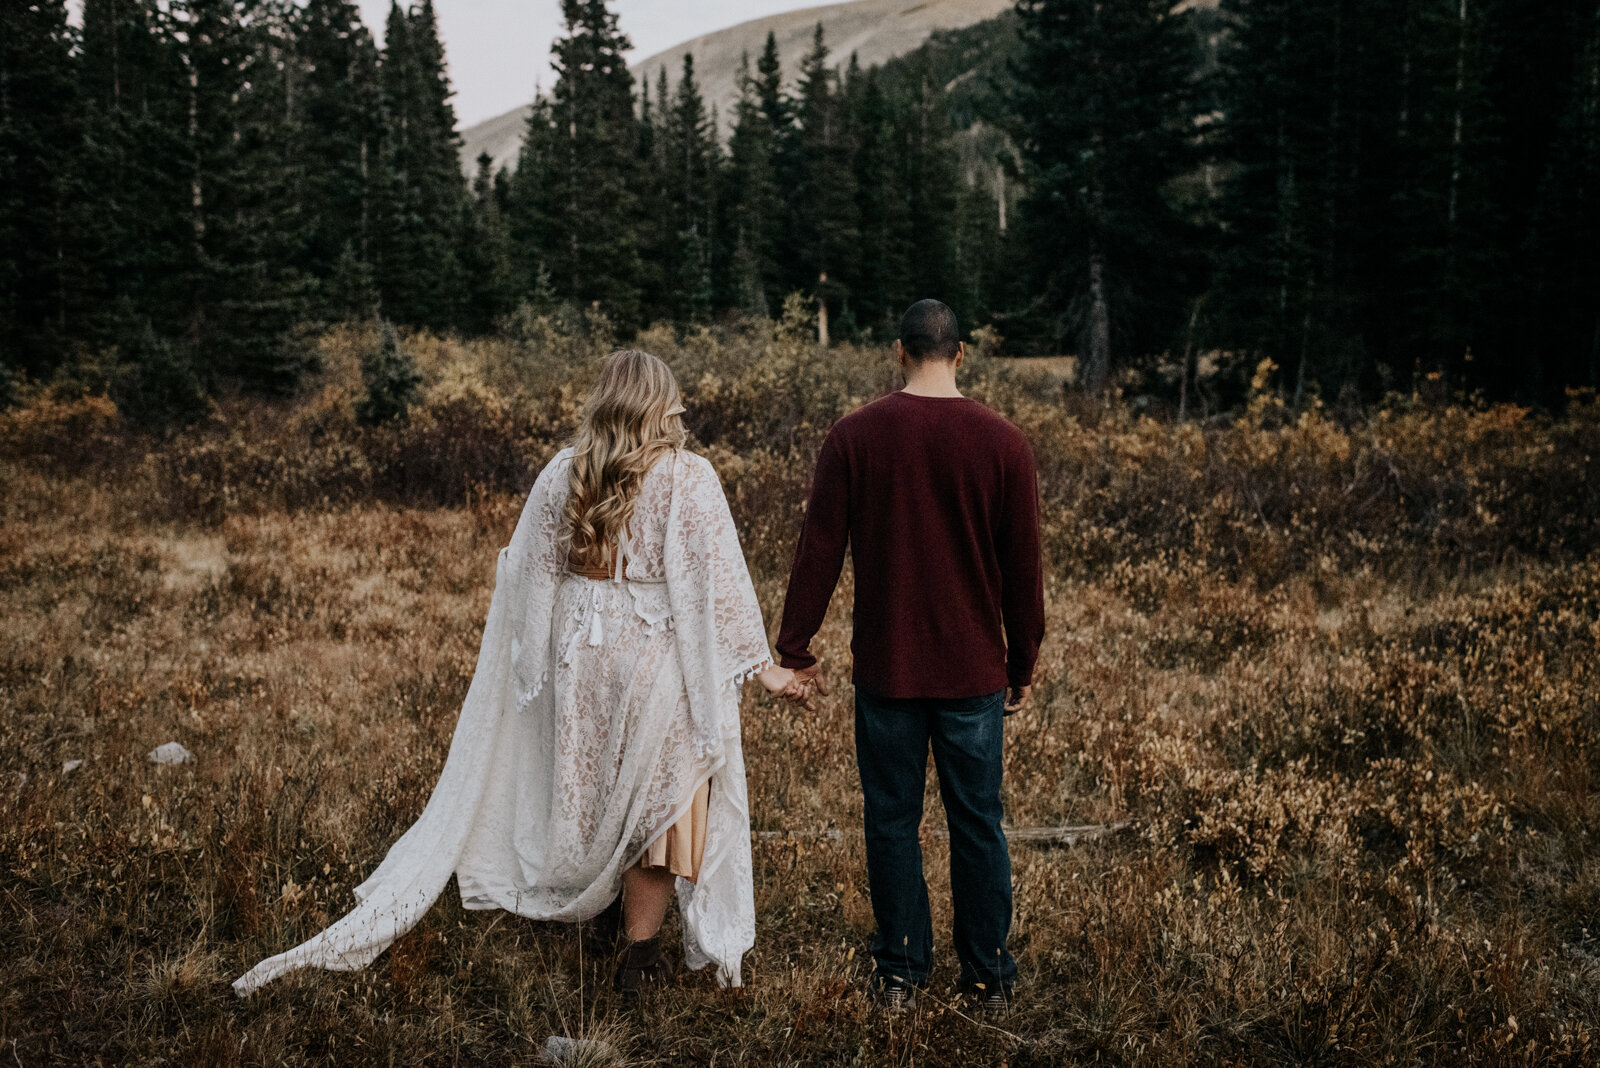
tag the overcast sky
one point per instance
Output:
(498, 49)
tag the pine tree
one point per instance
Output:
(242, 295)
(778, 108)
(884, 287)
(1564, 317)
(486, 253)
(158, 387)
(933, 183)
(1442, 211)
(1326, 214)
(827, 219)
(530, 231)
(1535, 326)
(753, 206)
(1105, 124)
(351, 292)
(1268, 259)
(187, 226)
(935, 227)
(39, 129)
(332, 95)
(129, 209)
(656, 232)
(584, 199)
(391, 379)
(924, 219)
(775, 105)
(421, 209)
(691, 159)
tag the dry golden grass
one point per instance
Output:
(1340, 674)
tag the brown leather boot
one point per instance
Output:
(642, 966)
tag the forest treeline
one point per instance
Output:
(1363, 191)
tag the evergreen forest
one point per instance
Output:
(1368, 193)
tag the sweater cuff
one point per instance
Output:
(1016, 677)
(796, 661)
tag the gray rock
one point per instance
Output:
(171, 753)
(559, 1049)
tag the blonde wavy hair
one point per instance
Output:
(632, 417)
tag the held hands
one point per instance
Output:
(779, 682)
(810, 683)
(797, 687)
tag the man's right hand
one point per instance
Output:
(811, 683)
(1017, 697)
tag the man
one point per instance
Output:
(937, 499)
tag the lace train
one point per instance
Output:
(596, 709)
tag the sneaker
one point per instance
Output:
(894, 996)
(990, 1001)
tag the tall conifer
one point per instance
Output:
(585, 146)
(1105, 124)
(881, 291)
(130, 209)
(242, 294)
(691, 173)
(753, 205)
(39, 132)
(419, 270)
(827, 218)
(656, 235)
(334, 101)
(1443, 216)
(1563, 315)
(486, 253)
(530, 230)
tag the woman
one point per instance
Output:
(598, 747)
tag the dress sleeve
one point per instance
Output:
(722, 638)
(534, 566)
(721, 641)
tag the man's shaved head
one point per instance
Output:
(928, 331)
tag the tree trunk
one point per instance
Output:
(116, 59)
(822, 311)
(366, 192)
(1000, 194)
(1188, 356)
(197, 217)
(1305, 349)
(1455, 135)
(61, 262)
(1098, 366)
(1594, 356)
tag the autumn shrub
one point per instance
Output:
(65, 435)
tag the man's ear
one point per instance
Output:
(961, 353)
(899, 353)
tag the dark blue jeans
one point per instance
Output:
(893, 736)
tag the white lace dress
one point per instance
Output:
(597, 708)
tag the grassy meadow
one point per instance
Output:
(1336, 669)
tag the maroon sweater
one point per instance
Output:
(938, 501)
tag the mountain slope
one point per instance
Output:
(874, 30)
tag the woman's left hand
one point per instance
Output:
(779, 681)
